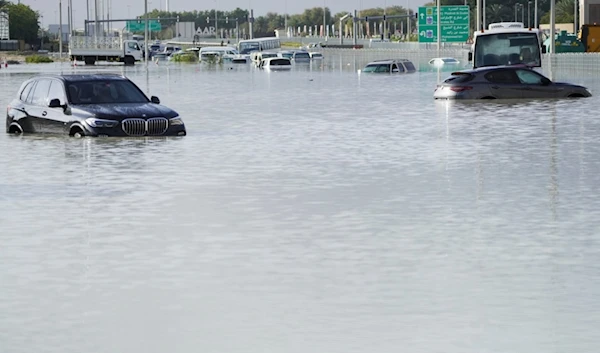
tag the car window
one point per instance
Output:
(57, 91)
(25, 92)
(459, 77)
(40, 93)
(529, 77)
(105, 91)
(383, 68)
(502, 76)
(409, 66)
(132, 45)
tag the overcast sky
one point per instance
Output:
(125, 8)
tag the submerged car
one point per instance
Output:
(505, 82)
(439, 62)
(275, 64)
(393, 66)
(89, 105)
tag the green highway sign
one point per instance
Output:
(454, 24)
(138, 26)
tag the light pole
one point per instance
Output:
(324, 18)
(146, 33)
(42, 30)
(60, 31)
(523, 14)
(535, 15)
(529, 14)
(216, 22)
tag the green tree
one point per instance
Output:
(564, 12)
(23, 22)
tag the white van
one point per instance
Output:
(217, 53)
(258, 56)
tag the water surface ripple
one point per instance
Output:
(316, 210)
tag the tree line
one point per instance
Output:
(23, 22)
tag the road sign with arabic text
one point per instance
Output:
(454, 24)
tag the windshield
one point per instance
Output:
(507, 49)
(105, 91)
(377, 68)
(246, 48)
(409, 66)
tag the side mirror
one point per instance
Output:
(470, 56)
(55, 103)
(155, 100)
(543, 49)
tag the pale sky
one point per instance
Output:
(132, 8)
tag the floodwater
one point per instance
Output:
(316, 210)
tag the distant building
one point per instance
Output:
(589, 11)
(54, 30)
(4, 33)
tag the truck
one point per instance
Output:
(507, 43)
(589, 36)
(90, 49)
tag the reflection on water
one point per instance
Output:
(311, 210)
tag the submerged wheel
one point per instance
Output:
(89, 60)
(14, 129)
(129, 61)
(76, 132)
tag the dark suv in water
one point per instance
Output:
(89, 105)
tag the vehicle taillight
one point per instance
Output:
(460, 88)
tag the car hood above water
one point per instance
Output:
(126, 110)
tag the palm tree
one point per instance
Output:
(564, 12)
(497, 13)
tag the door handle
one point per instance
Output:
(44, 113)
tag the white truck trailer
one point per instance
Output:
(90, 49)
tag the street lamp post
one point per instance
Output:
(42, 30)
(60, 31)
(529, 14)
(146, 33)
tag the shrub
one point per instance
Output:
(185, 58)
(36, 59)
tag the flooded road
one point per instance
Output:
(312, 210)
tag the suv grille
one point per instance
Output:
(141, 127)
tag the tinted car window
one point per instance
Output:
(40, 93)
(459, 78)
(409, 66)
(57, 91)
(25, 92)
(502, 76)
(278, 62)
(105, 91)
(529, 77)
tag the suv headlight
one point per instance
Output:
(94, 122)
(175, 121)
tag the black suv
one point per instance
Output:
(89, 105)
